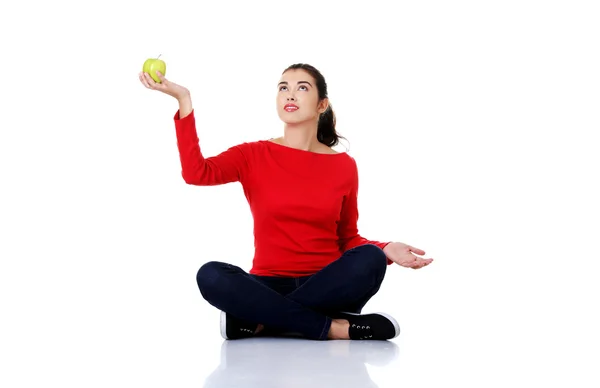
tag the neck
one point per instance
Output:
(301, 136)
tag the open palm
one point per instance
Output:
(404, 255)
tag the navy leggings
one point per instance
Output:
(303, 305)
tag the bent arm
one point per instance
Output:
(196, 169)
(185, 105)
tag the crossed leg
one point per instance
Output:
(344, 285)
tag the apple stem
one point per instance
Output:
(158, 56)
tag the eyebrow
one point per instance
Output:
(299, 82)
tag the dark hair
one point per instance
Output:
(326, 132)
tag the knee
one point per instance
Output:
(371, 260)
(375, 254)
(209, 277)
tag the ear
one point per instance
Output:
(323, 105)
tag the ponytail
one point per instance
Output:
(326, 133)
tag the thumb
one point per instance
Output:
(161, 77)
(416, 250)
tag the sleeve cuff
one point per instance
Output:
(383, 245)
(186, 118)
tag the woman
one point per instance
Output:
(312, 272)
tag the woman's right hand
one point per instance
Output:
(165, 86)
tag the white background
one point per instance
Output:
(473, 125)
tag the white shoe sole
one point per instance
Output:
(224, 325)
(389, 317)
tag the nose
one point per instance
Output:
(290, 98)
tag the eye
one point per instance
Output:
(282, 87)
(304, 86)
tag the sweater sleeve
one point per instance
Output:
(196, 169)
(348, 226)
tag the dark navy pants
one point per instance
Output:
(303, 305)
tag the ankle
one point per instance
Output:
(339, 330)
(259, 328)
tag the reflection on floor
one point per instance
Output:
(289, 362)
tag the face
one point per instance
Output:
(298, 98)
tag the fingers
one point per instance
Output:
(143, 80)
(147, 80)
(150, 83)
(416, 262)
(420, 263)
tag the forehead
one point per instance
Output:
(296, 75)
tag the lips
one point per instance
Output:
(290, 108)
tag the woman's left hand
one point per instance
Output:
(402, 254)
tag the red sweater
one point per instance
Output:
(304, 204)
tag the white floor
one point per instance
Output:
(298, 363)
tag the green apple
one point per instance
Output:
(152, 65)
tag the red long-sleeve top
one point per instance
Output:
(304, 204)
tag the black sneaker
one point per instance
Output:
(376, 326)
(234, 328)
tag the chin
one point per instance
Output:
(288, 120)
(295, 119)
